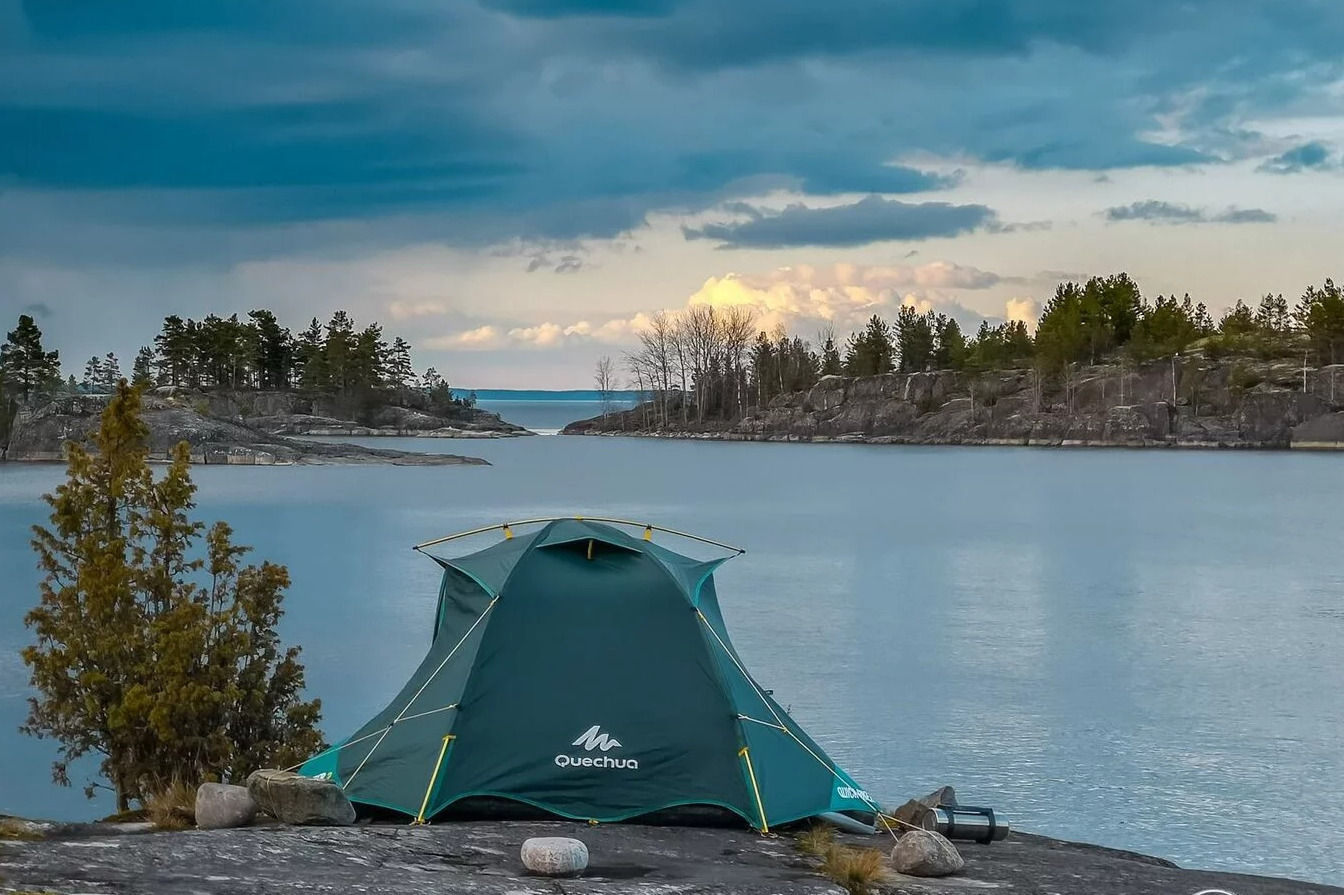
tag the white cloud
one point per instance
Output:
(480, 337)
(1028, 310)
(840, 294)
(799, 298)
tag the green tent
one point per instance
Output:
(586, 672)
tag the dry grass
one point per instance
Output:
(856, 870)
(173, 808)
(816, 840)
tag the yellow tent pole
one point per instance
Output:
(649, 528)
(746, 755)
(443, 750)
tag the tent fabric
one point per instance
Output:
(587, 673)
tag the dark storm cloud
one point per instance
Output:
(1313, 156)
(473, 123)
(1155, 211)
(872, 219)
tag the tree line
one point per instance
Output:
(705, 363)
(357, 366)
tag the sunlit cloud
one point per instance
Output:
(1026, 310)
(800, 298)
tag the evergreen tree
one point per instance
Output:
(175, 351)
(870, 351)
(915, 339)
(1272, 314)
(951, 353)
(8, 408)
(1061, 337)
(310, 358)
(110, 371)
(272, 350)
(27, 366)
(1321, 313)
(831, 365)
(400, 371)
(93, 374)
(164, 663)
(142, 371)
(1238, 321)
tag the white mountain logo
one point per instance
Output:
(594, 738)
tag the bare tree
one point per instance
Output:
(604, 377)
(738, 326)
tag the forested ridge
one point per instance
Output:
(354, 367)
(708, 364)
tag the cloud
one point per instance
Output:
(403, 310)
(564, 264)
(871, 219)
(843, 295)
(801, 298)
(1313, 156)
(486, 336)
(1158, 212)
(1026, 310)
(474, 124)
(548, 334)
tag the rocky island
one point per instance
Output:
(1192, 403)
(248, 428)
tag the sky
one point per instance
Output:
(515, 186)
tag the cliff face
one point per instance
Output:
(1232, 404)
(40, 433)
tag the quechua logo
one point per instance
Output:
(595, 740)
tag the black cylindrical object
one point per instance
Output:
(968, 822)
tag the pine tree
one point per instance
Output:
(23, 361)
(111, 371)
(831, 365)
(1321, 313)
(175, 351)
(165, 665)
(93, 374)
(142, 371)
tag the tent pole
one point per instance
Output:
(433, 777)
(648, 527)
(746, 756)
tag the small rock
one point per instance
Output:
(220, 806)
(926, 853)
(555, 856)
(294, 799)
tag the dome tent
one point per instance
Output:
(588, 673)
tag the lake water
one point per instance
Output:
(1140, 649)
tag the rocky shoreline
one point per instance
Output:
(1243, 404)
(483, 857)
(215, 437)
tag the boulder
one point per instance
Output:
(220, 806)
(919, 812)
(293, 799)
(555, 856)
(925, 853)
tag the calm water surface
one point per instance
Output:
(1141, 649)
